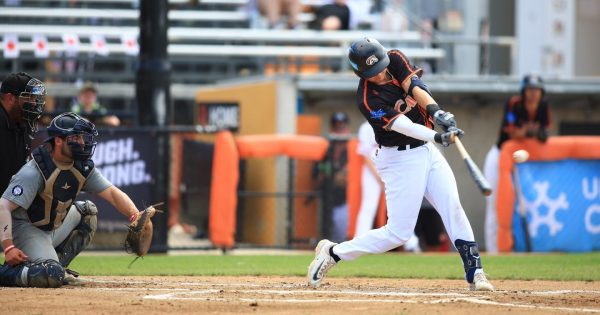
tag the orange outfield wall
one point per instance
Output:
(556, 148)
(225, 173)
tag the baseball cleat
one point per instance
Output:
(74, 281)
(321, 264)
(481, 283)
(72, 278)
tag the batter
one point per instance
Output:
(401, 111)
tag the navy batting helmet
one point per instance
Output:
(532, 81)
(368, 57)
(69, 124)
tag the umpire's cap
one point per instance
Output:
(15, 83)
(368, 57)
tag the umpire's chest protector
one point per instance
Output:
(61, 187)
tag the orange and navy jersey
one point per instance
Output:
(382, 104)
(516, 115)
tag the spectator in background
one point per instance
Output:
(273, 10)
(22, 99)
(360, 14)
(332, 17)
(343, 15)
(89, 107)
(525, 116)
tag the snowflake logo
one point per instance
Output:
(553, 205)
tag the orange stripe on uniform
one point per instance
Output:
(365, 97)
(418, 72)
(388, 122)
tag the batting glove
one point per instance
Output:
(444, 119)
(448, 137)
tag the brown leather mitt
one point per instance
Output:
(139, 236)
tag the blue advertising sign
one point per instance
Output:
(562, 202)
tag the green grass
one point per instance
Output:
(431, 266)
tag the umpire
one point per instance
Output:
(22, 99)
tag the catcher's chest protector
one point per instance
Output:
(61, 187)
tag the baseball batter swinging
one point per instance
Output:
(401, 110)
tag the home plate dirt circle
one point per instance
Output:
(291, 295)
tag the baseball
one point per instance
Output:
(520, 156)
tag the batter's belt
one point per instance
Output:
(407, 146)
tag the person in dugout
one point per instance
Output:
(526, 115)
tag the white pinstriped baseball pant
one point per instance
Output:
(409, 175)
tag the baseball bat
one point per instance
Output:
(474, 171)
(522, 209)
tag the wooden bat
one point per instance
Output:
(522, 209)
(474, 171)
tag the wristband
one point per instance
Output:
(432, 108)
(132, 217)
(6, 250)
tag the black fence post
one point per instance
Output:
(154, 100)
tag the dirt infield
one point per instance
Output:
(290, 295)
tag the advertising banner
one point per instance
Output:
(562, 202)
(127, 159)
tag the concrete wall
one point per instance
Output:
(587, 41)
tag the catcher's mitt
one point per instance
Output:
(139, 236)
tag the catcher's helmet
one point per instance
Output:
(368, 57)
(532, 81)
(69, 124)
(31, 93)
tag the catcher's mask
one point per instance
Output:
(31, 94)
(368, 57)
(79, 133)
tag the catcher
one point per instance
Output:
(42, 229)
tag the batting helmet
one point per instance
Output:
(532, 81)
(368, 57)
(31, 93)
(69, 124)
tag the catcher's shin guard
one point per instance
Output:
(81, 236)
(469, 252)
(12, 276)
(45, 274)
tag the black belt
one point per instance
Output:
(407, 146)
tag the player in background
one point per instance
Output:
(372, 186)
(401, 110)
(22, 99)
(526, 115)
(42, 227)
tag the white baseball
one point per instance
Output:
(520, 156)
